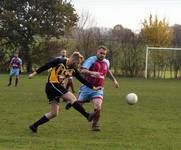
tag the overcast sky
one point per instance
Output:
(129, 13)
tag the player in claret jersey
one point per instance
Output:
(15, 68)
(95, 69)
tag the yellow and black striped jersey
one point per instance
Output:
(60, 70)
(59, 73)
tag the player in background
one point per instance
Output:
(95, 69)
(69, 84)
(61, 69)
(15, 68)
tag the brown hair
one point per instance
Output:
(76, 56)
(103, 47)
(63, 48)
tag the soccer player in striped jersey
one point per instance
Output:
(61, 69)
(69, 84)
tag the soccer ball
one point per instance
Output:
(131, 98)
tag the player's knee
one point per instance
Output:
(98, 108)
(54, 114)
(72, 101)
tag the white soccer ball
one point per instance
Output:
(132, 98)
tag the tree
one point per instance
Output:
(125, 51)
(159, 34)
(47, 49)
(85, 34)
(176, 42)
(156, 33)
(21, 20)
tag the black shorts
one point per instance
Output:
(54, 91)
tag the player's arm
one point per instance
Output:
(85, 71)
(46, 67)
(82, 80)
(10, 64)
(20, 66)
(111, 76)
(86, 66)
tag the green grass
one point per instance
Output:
(154, 123)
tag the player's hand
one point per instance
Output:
(97, 88)
(95, 74)
(32, 75)
(116, 84)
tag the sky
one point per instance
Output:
(129, 13)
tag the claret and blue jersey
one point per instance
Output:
(93, 64)
(15, 63)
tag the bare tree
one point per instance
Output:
(86, 35)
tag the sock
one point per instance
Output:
(96, 118)
(16, 82)
(80, 109)
(10, 80)
(41, 121)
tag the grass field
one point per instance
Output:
(154, 123)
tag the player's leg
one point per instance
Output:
(74, 103)
(10, 80)
(10, 77)
(54, 110)
(70, 84)
(17, 76)
(83, 97)
(53, 97)
(97, 104)
(16, 80)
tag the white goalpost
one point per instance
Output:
(155, 48)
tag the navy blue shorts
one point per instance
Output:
(54, 91)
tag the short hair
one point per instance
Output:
(16, 53)
(103, 47)
(76, 55)
(63, 48)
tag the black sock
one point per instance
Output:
(10, 80)
(80, 109)
(16, 82)
(41, 121)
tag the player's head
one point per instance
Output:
(63, 52)
(76, 59)
(15, 54)
(101, 52)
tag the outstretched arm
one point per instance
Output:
(46, 67)
(111, 76)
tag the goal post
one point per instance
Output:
(147, 49)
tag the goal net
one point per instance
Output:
(161, 62)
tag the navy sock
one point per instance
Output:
(41, 121)
(80, 109)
